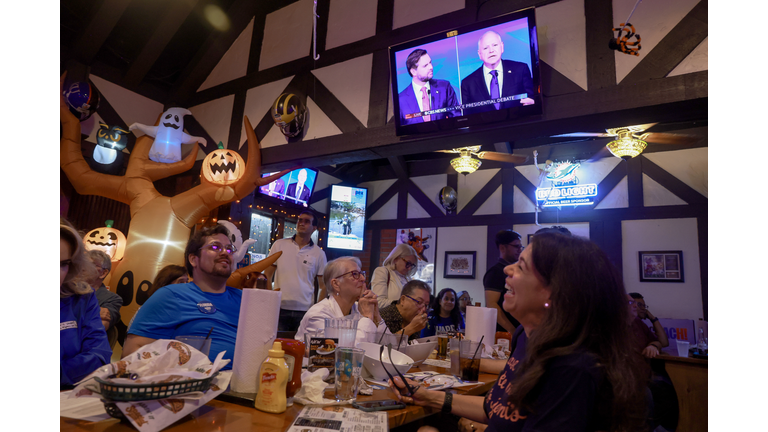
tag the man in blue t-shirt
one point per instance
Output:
(194, 308)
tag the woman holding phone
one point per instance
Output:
(571, 367)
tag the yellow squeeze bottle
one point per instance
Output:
(273, 377)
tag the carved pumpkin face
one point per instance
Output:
(107, 240)
(223, 166)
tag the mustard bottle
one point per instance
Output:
(273, 378)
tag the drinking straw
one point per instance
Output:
(382, 334)
(400, 340)
(209, 335)
(479, 344)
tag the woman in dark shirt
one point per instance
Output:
(444, 316)
(572, 366)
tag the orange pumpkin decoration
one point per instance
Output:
(106, 239)
(223, 166)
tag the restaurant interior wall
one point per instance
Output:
(681, 300)
(462, 239)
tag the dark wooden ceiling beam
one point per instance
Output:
(399, 166)
(601, 63)
(673, 48)
(172, 20)
(90, 41)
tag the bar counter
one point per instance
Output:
(689, 376)
(220, 415)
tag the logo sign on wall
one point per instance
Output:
(565, 189)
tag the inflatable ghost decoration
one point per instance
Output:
(169, 136)
(236, 237)
(109, 140)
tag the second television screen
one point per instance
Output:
(346, 227)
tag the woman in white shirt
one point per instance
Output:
(388, 280)
(348, 298)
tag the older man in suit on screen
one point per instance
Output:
(496, 78)
(425, 93)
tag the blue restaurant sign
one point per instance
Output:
(570, 195)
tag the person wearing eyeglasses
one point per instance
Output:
(109, 302)
(572, 366)
(349, 298)
(509, 246)
(464, 301)
(83, 345)
(647, 343)
(193, 308)
(409, 314)
(398, 268)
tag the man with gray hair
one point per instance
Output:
(109, 302)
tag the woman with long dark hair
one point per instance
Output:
(572, 366)
(444, 315)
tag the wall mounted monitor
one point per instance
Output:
(346, 227)
(479, 74)
(296, 187)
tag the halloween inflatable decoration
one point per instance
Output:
(236, 237)
(223, 166)
(160, 225)
(109, 141)
(82, 99)
(239, 276)
(109, 240)
(289, 114)
(169, 136)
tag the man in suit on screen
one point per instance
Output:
(496, 78)
(298, 192)
(425, 93)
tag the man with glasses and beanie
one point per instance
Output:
(409, 313)
(295, 272)
(494, 281)
(194, 308)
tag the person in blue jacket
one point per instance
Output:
(444, 316)
(83, 340)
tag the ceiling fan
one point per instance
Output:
(632, 140)
(466, 164)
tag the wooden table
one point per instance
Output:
(689, 376)
(219, 415)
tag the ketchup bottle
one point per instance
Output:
(294, 354)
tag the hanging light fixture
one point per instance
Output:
(466, 164)
(627, 144)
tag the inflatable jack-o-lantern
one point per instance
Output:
(106, 239)
(223, 166)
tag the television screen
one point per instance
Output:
(346, 227)
(483, 73)
(296, 187)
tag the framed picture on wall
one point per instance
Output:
(661, 266)
(459, 265)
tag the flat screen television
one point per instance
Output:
(346, 227)
(296, 187)
(479, 74)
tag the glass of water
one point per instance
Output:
(345, 329)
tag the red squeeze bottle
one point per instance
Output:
(294, 354)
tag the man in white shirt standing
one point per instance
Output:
(296, 270)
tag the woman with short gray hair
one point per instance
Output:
(348, 298)
(398, 269)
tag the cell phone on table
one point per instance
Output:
(378, 405)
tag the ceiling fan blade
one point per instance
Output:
(671, 138)
(502, 157)
(582, 134)
(601, 154)
(446, 151)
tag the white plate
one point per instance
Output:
(439, 382)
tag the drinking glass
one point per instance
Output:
(345, 329)
(200, 343)
(442, 345)
(349, 362)
(454, 346)
(469, 361)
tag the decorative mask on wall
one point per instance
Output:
(223, 166)
(109, 140)
(169, 136)
(106, 239)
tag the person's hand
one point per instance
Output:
(527, 101)
(104, 314)
(467, 425)
(367, 304)
(648, 314)
(421, 396)
(417, 324)
(651, 351)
